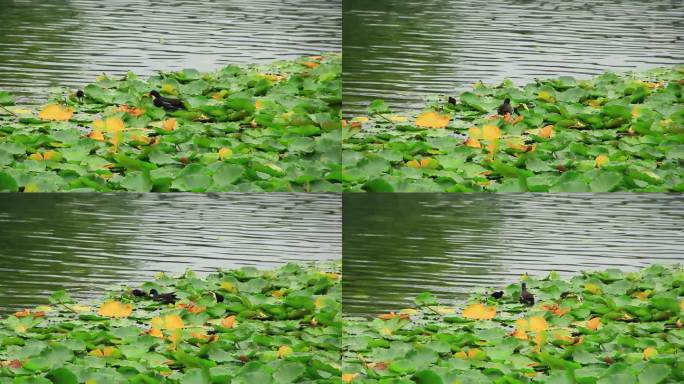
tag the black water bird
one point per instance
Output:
(79, 95)
(139, 293)
(451, 100)
(165, 102)
(497, 295)
(505, 108)
(164, 298)
(525, 296)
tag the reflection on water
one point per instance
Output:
(49, 43)
(398, 245)
(87, 242)
(401, 51)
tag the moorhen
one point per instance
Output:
(497, 295)
(164, 298)
(451, 100)
(505, 108)
(79, 95)
(526, 297)
(165, 102)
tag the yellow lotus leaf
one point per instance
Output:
(491, 132)
(388, 316)
(224, 153)
(595, 103)
(112, 125)
(333, 275)
(397, 118)
(492, 147)
(650, 352)
(349, 377)
(474, 133)
(311, 64)
(169, 124)
(461, 355)
(546, 96)
(35, 156)
(284, 351)
(522, 324)
(594, 323)
(474, 143)
(319, 302)
(386, 331)
(563, 335)
(540, 339)
(635, 112)
(156, 333)
(476, 354)
(56, 112)
(170, 322)
(50, 155)
(431, 119)
(20, 111)
(601, 160)
(592, 288)
(546, 132)
(360, 119)
(538, 324)
(229, 322)
(104, 352)
(516, 143)
(520, 334)
(642, 295)
(115, 309)
(80, 308)
(479, 312)
(228, 286)
(445, 310)
(258, 104)
(681, 304)
(423, 163)
(168, 88)
(278, 293)
(411, 311)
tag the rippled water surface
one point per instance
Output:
(402, 51)
(69, 43)
(87, 242)
(398, 245)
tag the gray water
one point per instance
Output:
(69, 43)
(403, 51)
(398, 245)
(85, 243)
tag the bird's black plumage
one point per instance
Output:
(165, 298)
(451, 100)
(165, 102)
(525, 296)
(505, 107)
(79, 94)
(497, 294)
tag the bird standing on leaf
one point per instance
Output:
(526, 297)
(505, 108)
(165, 102)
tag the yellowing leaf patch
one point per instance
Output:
(115, 309)
(432, 119)
(479, 312)
(56, 112)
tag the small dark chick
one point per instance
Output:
(526, 297)
(497, 295)
(505, 108)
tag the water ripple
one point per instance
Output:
(87, 242)
(401, 51)
(451, 243)
(69, 43)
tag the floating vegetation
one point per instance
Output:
(599, 327)
(239, 326)
(241, 128)
(611, 133)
